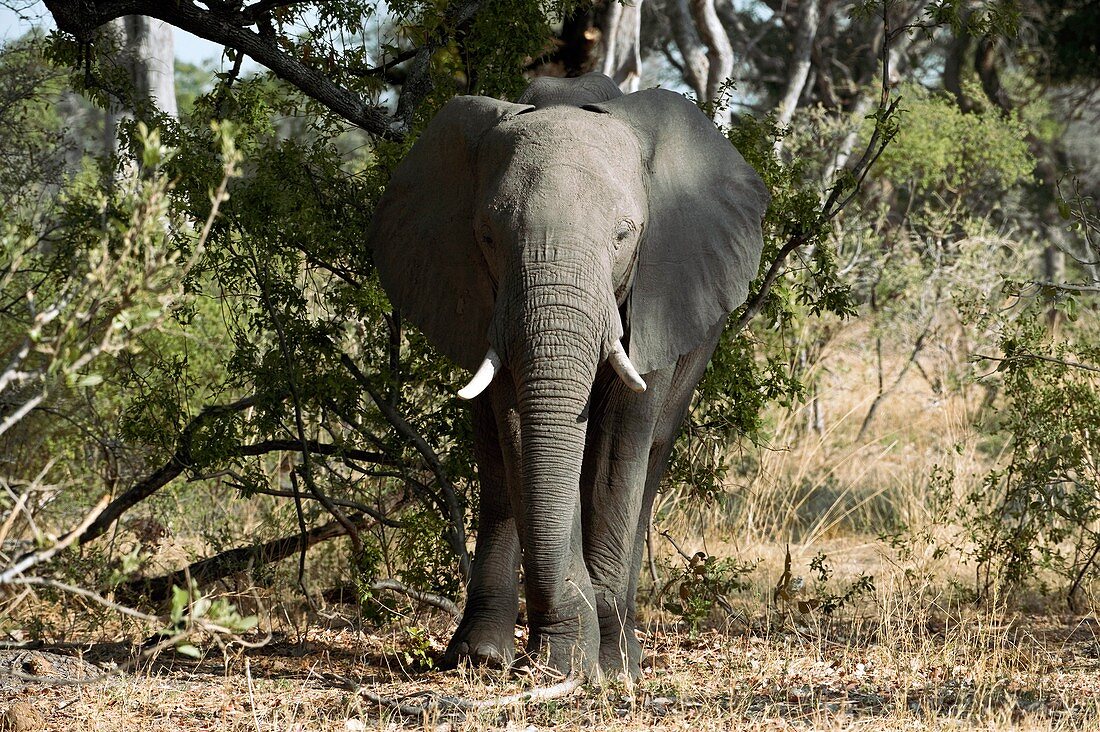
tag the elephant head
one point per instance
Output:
(545, 240)
(636, 205)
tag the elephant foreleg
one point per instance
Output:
(615, 470)
(626, 459)
(486, 634)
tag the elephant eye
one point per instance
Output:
(624, 229)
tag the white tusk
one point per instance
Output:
(483, 377)
(626, 371)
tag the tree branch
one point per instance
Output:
(299, 421)
(159, 589)
(428, 598)
(456, 534)
(179, 462)
(82, 17)
(320, 448)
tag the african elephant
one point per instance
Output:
(580, 251)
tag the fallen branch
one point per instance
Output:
(159, 589)
(427, 598)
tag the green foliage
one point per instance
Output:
(941, 150)
(828, 602)
(422, 553)
(192, 82)
(416, 651)
(189, 612)
(1031, 521)
(32, 143)
(699, 589)
(1040, 511)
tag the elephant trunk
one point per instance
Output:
(553, 335)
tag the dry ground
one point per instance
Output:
(898, 661)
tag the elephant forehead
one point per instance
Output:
(564, 134)
(563, 160)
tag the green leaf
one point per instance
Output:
(181, 598)
(188, 650)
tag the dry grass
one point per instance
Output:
(886, 665)
(911, 655)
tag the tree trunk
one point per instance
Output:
(808, 18)
(622, 32)
(692, 50)
(719, 54)
(148, 56)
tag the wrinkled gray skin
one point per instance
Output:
(547, 230)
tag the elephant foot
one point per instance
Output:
(559, 648)
(481, 642)
(620, 651)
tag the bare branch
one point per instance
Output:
(180, 461)
(44, 555)
(158, 589)
(320, 448)
(299, 422)
(427, 598)
(82, 592)
(346, 503)
(456, 534)
(1037, 357)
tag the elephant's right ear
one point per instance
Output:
(422, 233)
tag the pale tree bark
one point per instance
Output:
(622, 55)
(809, 16)
(719, 54)
(148, 55)
(694, 53)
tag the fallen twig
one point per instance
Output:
(427, 598)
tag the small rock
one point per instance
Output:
(354, 725)
(38, 666)
(20, 717)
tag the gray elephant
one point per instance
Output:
(579, 250)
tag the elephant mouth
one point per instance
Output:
(491, 364)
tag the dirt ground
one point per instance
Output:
(976, 672)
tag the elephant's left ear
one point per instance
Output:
(702, 240)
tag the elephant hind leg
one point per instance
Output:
(486, 634)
